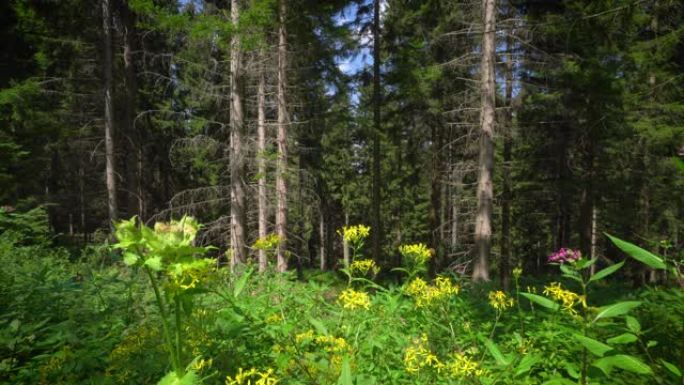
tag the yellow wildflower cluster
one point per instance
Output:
(269, 242)
(354, 234)
(567, 298)
(352, 299)
(185, 276)
(461, 365)
(336, 347)
(133, 346)
(363, 267)
(500, 301)
(274, 318)
(417, 253)
(202, 364)
(419, 357)
(252, 377)
(426, 295)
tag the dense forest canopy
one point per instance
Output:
(487, 134)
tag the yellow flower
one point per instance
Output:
(567, 298)
(418, 356)
(252, 377)
(354, 234)
(274, 318)
(352, 299)
(426, 295)
(517, 272)
(202, 363)
(499, 300)
(269, 242)
(463, 366)
(364, 266)
(417, 254)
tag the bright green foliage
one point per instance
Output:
(169, 249)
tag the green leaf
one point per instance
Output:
(624, 362)
(606, 272)
(616, 309)
(241, 282)
(597, 348)
(539, 300)
(632, 324)
(625, 338)
(638, 253)
(496, 353)
(318, 325)
(672, 368)
(154, 263)
(190, 378)
(526, 364)
(130, 259)
(345, 374)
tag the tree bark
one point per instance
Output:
(322, 236)
(376, 222)
(483, 224)
(261, 147)
(110, 168)
(281, 175)
(237, 188)
(134, 142)
(506, 194)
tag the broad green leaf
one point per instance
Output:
(539, 300)
(241, 282)
(130, 259)
(190, 378)
(496, 353)
(672, 368)
(606, 272)
(625, 338)
(638, 253)
(583, 263)
(318, 325)
(345, 374)
(597, 348)
(624, 362)
(616, 309)
(154, 263)
(678, 163)
(526, 364)
(632, 324)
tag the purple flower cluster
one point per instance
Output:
(565, 255)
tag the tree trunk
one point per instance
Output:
(483, 220)
(110, 171)
(281, 175)
(506, 195)
(237, 188)
(376, 222)
(321, 247)
(133, 143)
(261, 148)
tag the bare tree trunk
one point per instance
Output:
(134, 142)
(506, 195)
(376, 223)
(237, 188)
(594, 238)
(345, 244)
(261, 147)
(322, 236)
(110, 172)
(483, 220)
(281, 175)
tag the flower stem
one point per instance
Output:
(165, 323)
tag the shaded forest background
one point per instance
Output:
(382, 111)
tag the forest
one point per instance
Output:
(349, 192)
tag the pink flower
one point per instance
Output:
(564, 255)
